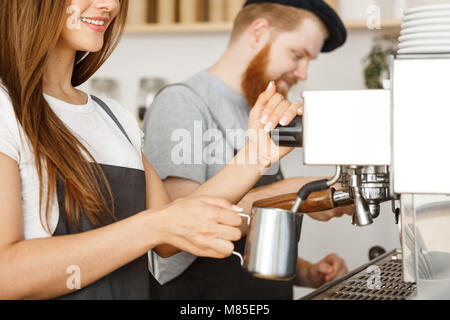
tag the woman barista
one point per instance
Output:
(76, 193)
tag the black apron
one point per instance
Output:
(128, 187)
(222, 279)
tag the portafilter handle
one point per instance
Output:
(290, 135)
(316, 201)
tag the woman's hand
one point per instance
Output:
(203, 226)
(270, 110)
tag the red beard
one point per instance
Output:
(256, 80)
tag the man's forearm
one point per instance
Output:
(301, 278)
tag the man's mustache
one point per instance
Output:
(289, 79)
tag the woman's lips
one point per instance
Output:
(98, 24)
(95, 27)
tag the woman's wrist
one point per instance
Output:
(152, 224)
(251, 155)
(159, 240)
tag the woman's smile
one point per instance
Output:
(96, 23)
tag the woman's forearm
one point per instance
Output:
(38, 269)
(234, 180)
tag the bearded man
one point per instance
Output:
(270, 41)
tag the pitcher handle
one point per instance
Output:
(235, 252)
(249, 219)
(240, 257)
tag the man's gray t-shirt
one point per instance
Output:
(192, 130)
(182, 123)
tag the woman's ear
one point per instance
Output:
(258, 34)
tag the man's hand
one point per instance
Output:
(333, 213)
(316, 275)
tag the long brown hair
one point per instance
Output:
(29, 31)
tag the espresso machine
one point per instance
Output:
(388, 146)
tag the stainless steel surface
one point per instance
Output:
(271, 246)
(374, 210)
(336, 177)
(426, 239)
(361, 216)
(297, 204)
(408, 247)
(380, 279)
(368, 186)
(374, 183)
(342, 196)
(237, 254)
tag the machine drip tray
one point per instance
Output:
(384, 281)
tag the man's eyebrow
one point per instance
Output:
(308, 54)
(305, 52)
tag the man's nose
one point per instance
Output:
(301, 73)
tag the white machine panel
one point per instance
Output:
(347, 127)
(421, 126)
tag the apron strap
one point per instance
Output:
(105, 107)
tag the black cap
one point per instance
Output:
(334, 24)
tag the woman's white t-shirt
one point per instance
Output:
(91, 125)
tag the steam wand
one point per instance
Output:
(306, 190)
(315, 186)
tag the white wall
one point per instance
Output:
(177, 56)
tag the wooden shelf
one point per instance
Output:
(152, 28)
(178, 28)
(216, 12)
(361, 24)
